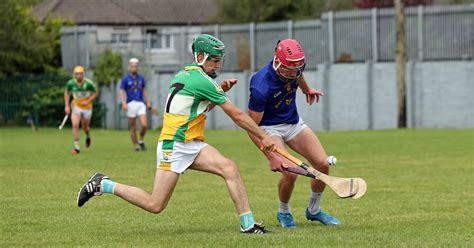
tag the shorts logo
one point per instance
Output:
(166, 155)
(288, 101)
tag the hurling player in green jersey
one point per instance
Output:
(192, 94)
(83, 92)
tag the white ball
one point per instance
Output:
(332, 160)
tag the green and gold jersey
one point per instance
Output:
(191, 92)
(80, 92)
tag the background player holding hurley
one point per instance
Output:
(134, 96)
(272, 105)
(193, 92)
(83, 92)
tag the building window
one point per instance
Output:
(159, 40)
(119, 38)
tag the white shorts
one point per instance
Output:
(85, 113)
(177, 156)
(135, 109)
(285, 131)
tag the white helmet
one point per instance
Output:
(133, 61)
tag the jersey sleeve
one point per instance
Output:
(123, 84)
(212, 92)
(257, 100)
(92, 87)
(69, 86)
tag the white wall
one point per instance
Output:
(358, 96)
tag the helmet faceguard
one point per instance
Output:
(212, 49)
(289, 60)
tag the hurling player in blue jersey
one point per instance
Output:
(272, 106)
(134, 96)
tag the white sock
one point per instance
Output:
(315, 202)
(76, 145)
(140, 142)
(284, 208)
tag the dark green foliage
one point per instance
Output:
(233, 11)
(38, 96)
(109, 68)
(26, 46)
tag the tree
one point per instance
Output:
(108, 71)
(109, 68)
(239, 11)
(26, 46)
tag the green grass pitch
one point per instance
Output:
(420, 192)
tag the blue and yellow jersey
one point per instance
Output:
(191, 92)
(275, 98)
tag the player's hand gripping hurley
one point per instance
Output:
(343, 187)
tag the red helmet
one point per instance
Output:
(289, 60)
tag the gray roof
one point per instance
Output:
(129, 12)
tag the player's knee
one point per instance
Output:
(230, 169)
(321, 165)
(75, 125)
(290, 177)
(144, 126)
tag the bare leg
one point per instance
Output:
(165, 182)
(85, 125)
(133, 130)
(75, 120)
(286, 184)
(210, 160)
(144, 124)
(307, 144)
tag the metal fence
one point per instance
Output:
(433, 33)
(38, 99)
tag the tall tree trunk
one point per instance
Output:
(401, 63)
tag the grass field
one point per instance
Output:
(421, 192)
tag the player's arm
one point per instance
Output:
(226, 85)
(91, 98)
(146, 98)
(123, 94)
(276, 162)
(256, 117)
(67, 101)
(245, 122)
(311, 94)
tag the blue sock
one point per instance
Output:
(108, 186)
(246, 220)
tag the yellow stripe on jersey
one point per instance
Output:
(78, 103)
(172, 122)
